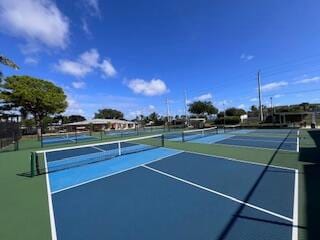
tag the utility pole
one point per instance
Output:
(185, 107)
(224, 116)
(167, 105)
(271, 109)
(259, 94)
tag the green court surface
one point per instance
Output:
(24, 204)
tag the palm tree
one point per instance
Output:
(6, 61)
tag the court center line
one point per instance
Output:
(241, 161)
(244, 146)
(100, 149)
(258, 140)
(115, 173)
(219, 193)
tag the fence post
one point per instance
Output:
(32, 164)
(162, 140)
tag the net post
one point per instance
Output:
(119, 148)
(32, 158)
(101, 132)
(36, 158)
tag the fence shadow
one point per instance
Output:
(310, 158)
(239, 213)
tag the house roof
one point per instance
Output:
(99, 121)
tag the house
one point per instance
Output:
(100, 124)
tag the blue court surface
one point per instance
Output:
(168, 194)
(266, 142)
(285, 144)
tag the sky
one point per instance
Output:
(136, 56)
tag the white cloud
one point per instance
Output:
(308, 80)
(153, 87)
(246, 57)
(31, 60)
(92, 6)
(151, 108)
(38, 22)
(254, 99)
(90, 58)
(87, 62)
(79, 84)
(242, 106)
(107, 68)
(273, 86)
(85, 28)
(204, 97)
(74, 107)
(134, 114)
(278, 96)
(73, 68)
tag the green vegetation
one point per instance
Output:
(33, 96)
(201, 108)
(108, 113)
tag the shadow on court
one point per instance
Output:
(240, 211)
(310, 158)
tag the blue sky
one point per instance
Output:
(132, 55)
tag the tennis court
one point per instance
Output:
(273, 139)
(138, 189)
(284, 144)
(66, 138)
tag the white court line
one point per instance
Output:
(100, 149)
(258, 140)
(51, 212)
(242, 161)
(295, 207)
(220, 194)
(115, 173)
(263, 148)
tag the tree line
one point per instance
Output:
(46, 102)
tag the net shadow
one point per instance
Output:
(232, 222)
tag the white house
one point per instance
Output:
(100, 124)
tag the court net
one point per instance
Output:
(198, 133)
(231, 128)
(53, 160)
(66, 135)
